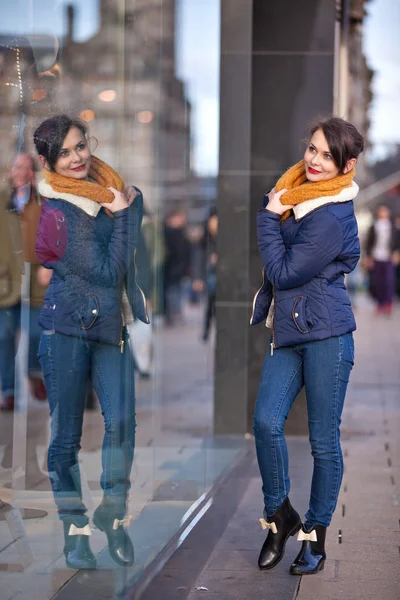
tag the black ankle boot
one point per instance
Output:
(119, 543)
(283, 523)
(77, 552)
(311, 557)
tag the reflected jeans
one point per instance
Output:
(10, 325)
(67, 363)
(173, 300)
(323, 367)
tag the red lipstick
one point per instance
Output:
(80, 168)
(313, 171)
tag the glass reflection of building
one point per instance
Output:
(122, 81)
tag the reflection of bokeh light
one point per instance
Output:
(145, 116)
(87, 115)
(39, 94)
(107, 95)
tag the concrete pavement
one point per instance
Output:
(363, 541)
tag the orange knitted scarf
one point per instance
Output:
(295, 177)
(103, 175)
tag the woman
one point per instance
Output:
(307, 236)
(382, 249)
(87, 235)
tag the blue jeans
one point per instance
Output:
(67, 364)
(323, 367)
(10, 327)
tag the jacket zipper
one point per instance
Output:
(256, 295)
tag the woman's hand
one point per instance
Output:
(198, 285)
(43, 276)
(130, 194)
(368, 263)
(119, 202)
(274, 202)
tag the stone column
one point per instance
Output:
(277, 74)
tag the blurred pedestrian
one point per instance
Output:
(87, 235)
(397, 256)
(382, 250)
(176, 266)
(153, 234)
(307, 238)
(140, 334)
(197, 268)
(209, 244)
(20, 208)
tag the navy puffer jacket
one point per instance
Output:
(305, 260)
(93, 260)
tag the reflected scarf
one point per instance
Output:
(295, 177)
(103, 175)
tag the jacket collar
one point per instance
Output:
(303, 209)
(90, 207)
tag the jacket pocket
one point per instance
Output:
(301, 315)
(89, 311)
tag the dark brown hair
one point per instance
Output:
(344, 140)
(50, 135)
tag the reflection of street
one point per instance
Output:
(36, 440)
(177, 400)
(175, 460)
(183, 364)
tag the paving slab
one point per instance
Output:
(237, 585)
(362, 553)
(314, 588)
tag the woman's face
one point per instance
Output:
(383, 212)
(318, 159)
(74, 157)
(213, 225)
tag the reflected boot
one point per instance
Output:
(78, 554)
(282, 524)
(119, 543)
(311, 557)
